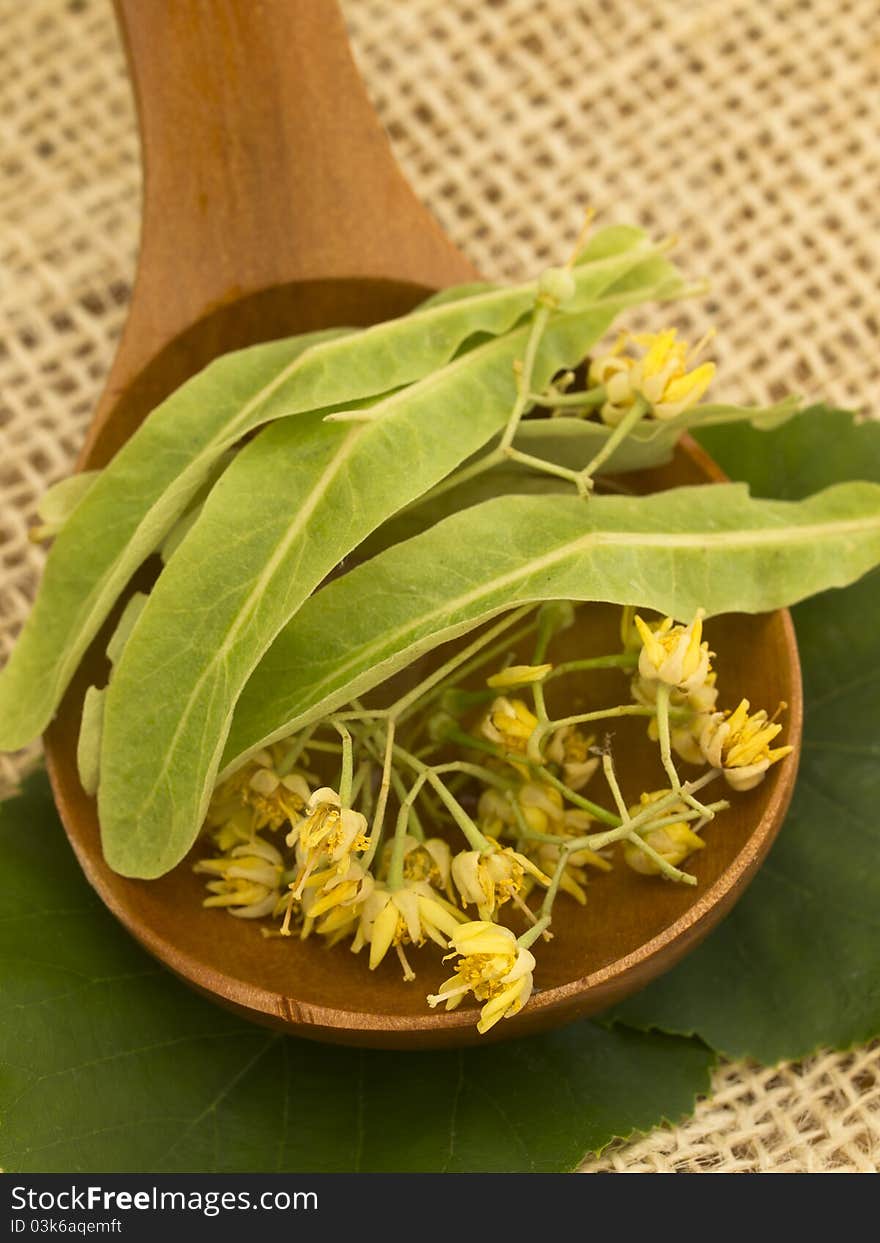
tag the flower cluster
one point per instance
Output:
(503, 784)
(658, 376)
(738, 742)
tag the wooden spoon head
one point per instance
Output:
(633, 929)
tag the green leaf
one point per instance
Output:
(60, 500)
(129, 509)
(295, 501)
(111, 1065)
(570, 442)
(574, 442)
(820, 448)
(797, 964)
(88, 745)
(711, 547)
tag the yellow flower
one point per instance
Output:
(674, 842)
(429, 861)
(674, 654)
(489, 879)
(236, 830)
(494, 812)
(248, 879)
(739, 745)
(540, 806)
(518, 675)
(328, 834)
(493, 967)
(271, 800)
(509, 724)
(569, 747)
(329, 890)
(402, 917)
(659, 375)
(575, 823)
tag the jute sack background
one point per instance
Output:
(751, 130)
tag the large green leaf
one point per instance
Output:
(130, 508)
(566, 441)
(797, 964)
(711, 547)
(109, 1064)
(294, 502)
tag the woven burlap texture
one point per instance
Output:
(751, 130)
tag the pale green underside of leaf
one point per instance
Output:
(570, 442)
(127, 512)
(111, 1065)
(292, 505)
(88, 746)
(710, 546)
(797, 964)
(58, 502)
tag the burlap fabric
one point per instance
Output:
(751, 130)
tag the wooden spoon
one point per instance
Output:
(273, 205)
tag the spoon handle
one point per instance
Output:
(265, 166)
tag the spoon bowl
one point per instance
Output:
(273, 206)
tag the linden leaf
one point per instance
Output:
(112, 1065)
(673, 551)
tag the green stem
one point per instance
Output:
(585, 804)
(382, 797)
(398, 709)
(635, 838)
(482, 659)
(585, 399)
(359, 779)
(416, 828)
(474, 837)
(624, 660)
(539, 702)
(329, 748)
(545, 466)
(474, 770)
(477, 744)
(663, 713)
(530, 936)
(674, 873)
(553, 888)
(634, 415)
(347, 769)
(545, 727)
(398, 850)
(524, 379)
(295, 751)
(613, 785)
(549, 625)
